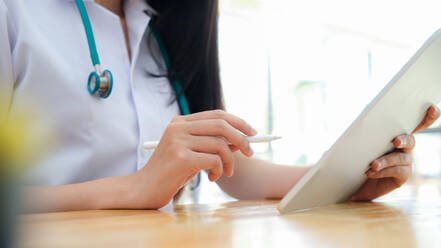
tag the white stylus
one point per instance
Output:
(149, 145)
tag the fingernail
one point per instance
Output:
(250, 152)
(376, 165)
(397, 142)
(253, 131)
(210, 177)
(370, 173)
(381, 164)
(403, 143)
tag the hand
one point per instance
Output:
(392, 170)
(202, 141)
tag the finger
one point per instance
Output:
(215, 145)
(374, 188)
(210, 162)
(400, 173)
(223, 129)
(233, 148)
(367, 192)
(431, 116)
(392, 159)
(405, 142)
(233, 120)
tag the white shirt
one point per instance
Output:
(45, 61)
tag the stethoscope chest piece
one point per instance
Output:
(100, 84)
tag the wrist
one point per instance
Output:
(116, 193)
(140, 190)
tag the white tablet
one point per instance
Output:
(396, 110)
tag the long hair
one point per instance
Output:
(189, 30)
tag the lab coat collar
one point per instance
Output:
(137, 21)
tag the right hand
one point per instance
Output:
(191, 143)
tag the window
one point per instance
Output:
(306, 69)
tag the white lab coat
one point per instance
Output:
(45, 62)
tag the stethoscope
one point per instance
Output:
(101, 82)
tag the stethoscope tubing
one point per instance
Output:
(180, 96)
(89, 33)
(94, 82)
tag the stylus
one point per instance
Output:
(149, 145)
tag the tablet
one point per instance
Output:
(397, 109)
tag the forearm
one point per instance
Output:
(106, 193)
(258, 179)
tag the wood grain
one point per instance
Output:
(405, 219)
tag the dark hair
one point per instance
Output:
(189, 31)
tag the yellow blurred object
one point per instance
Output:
(20, 142)
(13, 144)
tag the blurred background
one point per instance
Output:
(304, 70)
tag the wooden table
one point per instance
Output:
(408, 220)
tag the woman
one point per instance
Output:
(98, 162)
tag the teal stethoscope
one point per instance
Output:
(101, 82)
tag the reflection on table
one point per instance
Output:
(409, 217)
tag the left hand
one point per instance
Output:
(393, 169)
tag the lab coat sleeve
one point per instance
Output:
(6, 69)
